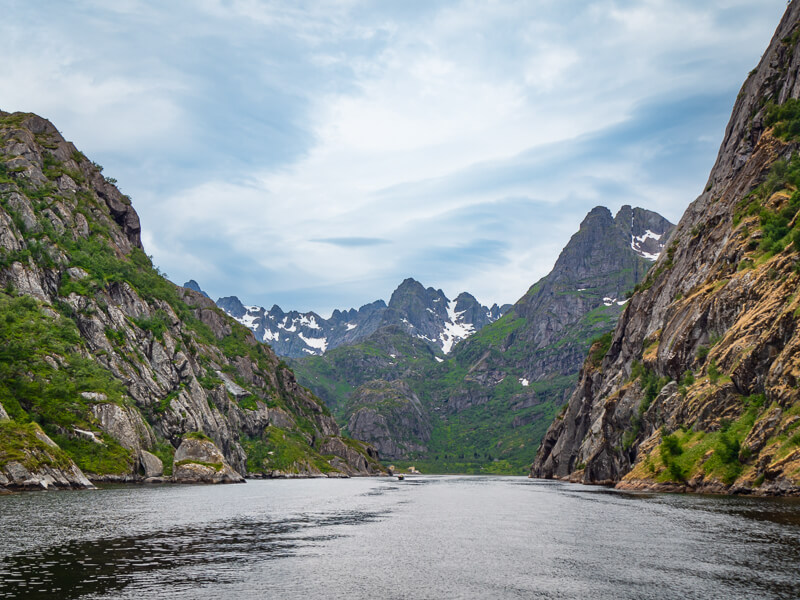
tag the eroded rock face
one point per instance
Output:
(200, 461)
(391, 418)
(712, 338)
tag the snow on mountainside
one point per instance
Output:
(424, 313)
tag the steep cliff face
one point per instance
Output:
(114, 362)
(550, 327)
(698, 389)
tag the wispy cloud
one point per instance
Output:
(315, 154)
(352, 242)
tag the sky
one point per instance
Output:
(315, 154)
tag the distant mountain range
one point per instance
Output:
(487, 403)
(425, 313)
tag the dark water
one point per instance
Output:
(429, 537)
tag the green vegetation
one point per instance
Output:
(197, 435)
(651, 383)
(718, 454)
(779, 227)
(155, 324)
(784, 119)
(166, 452)
(281, 450)
(713, 372)
(19, 443)
(41, 373)
(599, 348)
(249, 402)
(42, 377)
(107, 457)
(498, 436)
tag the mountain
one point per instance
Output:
(193, 285)
(697, 388)
(295, 334)
(109, 370)
(425, 313)
(493, 397)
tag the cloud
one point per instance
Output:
(315, 155)
(352, 242)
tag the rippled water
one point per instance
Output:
(427, 537)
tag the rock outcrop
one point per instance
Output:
(698, 388)
(29, 460)
(116, 363)
(391, 417)
(198, 460)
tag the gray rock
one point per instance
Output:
(152, 465)
(391, 418)
(200, 461)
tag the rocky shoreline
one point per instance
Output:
(775, 489)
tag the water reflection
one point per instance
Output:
(441, 537)
(74, 569)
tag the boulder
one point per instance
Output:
(152, 465)
(198, 460)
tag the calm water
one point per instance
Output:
(429, 537)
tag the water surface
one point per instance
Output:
(426, 537)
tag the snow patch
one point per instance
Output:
(638, 240)
(393, 355)
(453, 330)
(271, 336)
(581, 289)
(438, 359)
(248, 320)
(320, 344)
(426, 338)
(524, 382)
(648, 234)
(283, 325)
(309, 322)
(351, 326)
(612, 301)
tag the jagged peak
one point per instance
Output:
(193, 285)
(232, 305)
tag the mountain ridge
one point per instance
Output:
(425, 313)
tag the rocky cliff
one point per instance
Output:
(114, 363)
(392, 416)
(425, 313)
(697, 389)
